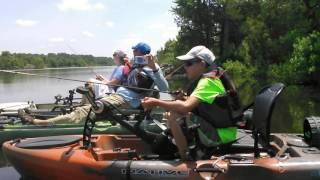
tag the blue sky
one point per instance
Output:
(96, 27)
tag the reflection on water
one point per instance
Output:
(293, 105)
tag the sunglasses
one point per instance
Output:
(191, 62)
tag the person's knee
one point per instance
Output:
(91, 81)
(175, 115)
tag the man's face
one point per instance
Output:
(136, 52)
(116, 59)
(194, 68)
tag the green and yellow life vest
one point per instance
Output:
(219, 104)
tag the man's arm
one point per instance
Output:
(116, 78)
(112, 82)
(156, 74)
(177, 105)
(160, 80)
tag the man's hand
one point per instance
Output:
(180, 95)
(100, 77)
(149, 102)
(151, 61)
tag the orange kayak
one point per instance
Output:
(128, 157)
(255, 154)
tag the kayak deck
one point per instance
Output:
(123, 156)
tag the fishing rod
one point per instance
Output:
(92, 71)
(76, 80)
(169, 76)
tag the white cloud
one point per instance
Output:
(88, 34)
(156, 26)
(79, 5)
(170, 33)
(56, 39)
(126, 44)
(25, 22)
(109, 24)
(166, 31)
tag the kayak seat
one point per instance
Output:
(48, 142)
(261, 116)
(259, 138)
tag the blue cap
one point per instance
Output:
(142, 47)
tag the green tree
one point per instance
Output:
(259, 34)
(199, 23)
(30, 61)
(167, 54)
(304, 65)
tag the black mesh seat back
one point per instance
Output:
(262, 110)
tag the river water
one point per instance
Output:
(295, 102)
(293, 105)
(17, 87)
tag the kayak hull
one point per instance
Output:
(126, 157)
(12, 128)
(9, 132)
(72, 162)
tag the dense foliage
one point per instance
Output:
(274, 40)
(31, 61)
(304, 64)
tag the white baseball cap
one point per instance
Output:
(200, 52)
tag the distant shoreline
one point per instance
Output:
(86, 67)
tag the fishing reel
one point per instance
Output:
(97, 106)
(69, 99)
(65, 100)
(89, 124)
(100, 108)
(58, 98)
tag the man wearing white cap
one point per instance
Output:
(216, 126)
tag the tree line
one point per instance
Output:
(275, 40)
(37, 61)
